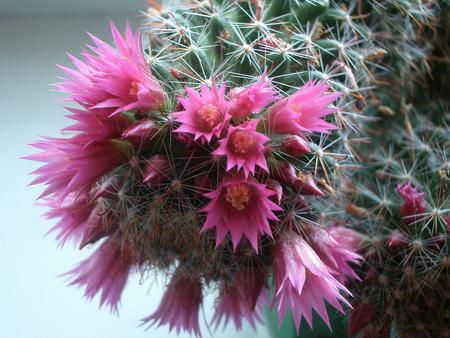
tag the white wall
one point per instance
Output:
(34, 302)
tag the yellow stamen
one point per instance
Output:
(238, 196)
(209, 116)
(134, 88)
(241, 141)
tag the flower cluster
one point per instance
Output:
(206, 189)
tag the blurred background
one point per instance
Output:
(35, 302)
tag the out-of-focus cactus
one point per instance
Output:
(401, 193)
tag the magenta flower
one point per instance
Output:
(302, 111)
(204, 115)
(106, 271)
(244, 148)
(251, 99)
(117, 79)
(413, 202)
(72, 166)
(73, 214)
(337, 249)
(346, 237)
(243, 299)
(303, 281)
(94, 125)
(179, 306)
(240, 206)
(232, 304)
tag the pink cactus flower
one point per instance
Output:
(95, 125)
(179, 306)
(82, 215)
(413, 202)
(302, 112)
(73, 215)
(106, 271)
(242, 299)
(338, 251)
(117, 79)
(251, 99)
(303, 281)
(244, 148)
(157, 170)
(346, 237)
(232, 304)
(204, 115)
(72, 166)
(240, 206)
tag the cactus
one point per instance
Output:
(207, 148)
(399, 197)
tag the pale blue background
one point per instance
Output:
(34, 302)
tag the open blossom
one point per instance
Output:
(74, 214)
(179, 307)
(251, 99)
(242, 207)
(204, 115)
(232, 304)
(413, 202)
(244, 148)
(106, 271)
(242, 299)
(336, 248)
(72, 166)
(117, 79)
(95, 125)
(303, 281)
(302, 111)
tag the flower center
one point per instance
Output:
(133, 88)
(241, 142)
(209, 116)
(296, 107)
(238, 196)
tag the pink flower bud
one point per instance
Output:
(141, 132)
(396, 239)
(203, 184)
(275, 186)
(156, 170)
(295, 145)
(97, 226)
(307, 186)
(413, 202)
(303, 183)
